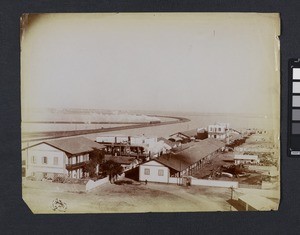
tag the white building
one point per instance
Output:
(181, 162)
(219, 131)
(149, 144)
(132, 140)
(59, 157)
(245, 159)
(154, 171)
(167, 144)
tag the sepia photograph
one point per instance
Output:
(150, 112)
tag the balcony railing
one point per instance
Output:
(75, 166)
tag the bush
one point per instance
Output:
(121, 182)
(59, 179)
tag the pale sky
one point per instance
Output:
(219, 63)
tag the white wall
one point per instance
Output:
(44, 150)
(215, 183)
(154, 168)
(175, 180)
(93, 184)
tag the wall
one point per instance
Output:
(154, 167)
(93, 184)
(54, 187)
(44, 150)
(215, 183)
(175, 180)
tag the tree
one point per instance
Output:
(112, 169)
(90, 168)
(96, 158)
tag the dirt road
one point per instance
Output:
(111, 198)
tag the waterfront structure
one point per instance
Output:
(60, 157)
(180, 162)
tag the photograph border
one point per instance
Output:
(16, 216)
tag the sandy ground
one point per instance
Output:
(112, 198)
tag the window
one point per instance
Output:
(33, 159)
(147, 171)
(160, 172)
(45, 160)
(55, 161)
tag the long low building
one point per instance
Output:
(245, 159)
(58, 157)
(181, 162)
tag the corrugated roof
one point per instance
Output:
(190, 154)
(75, 145)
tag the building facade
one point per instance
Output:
(245, 159)
(219, 131)
(180, 162)
(61, 157)
(154, 171)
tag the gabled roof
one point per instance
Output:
(75, 145)
(189, 154)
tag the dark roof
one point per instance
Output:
(190, 154)
(120, 159)
(75, 145)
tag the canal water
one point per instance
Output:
(235, 121)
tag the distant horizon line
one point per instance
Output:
(148, 112)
